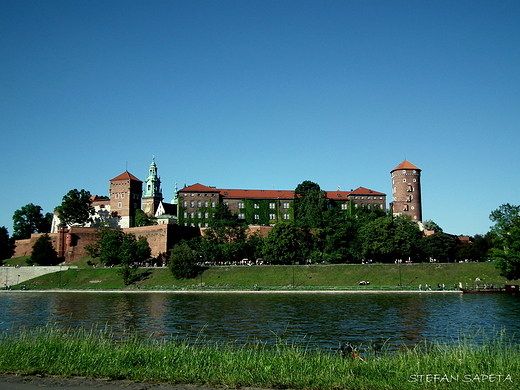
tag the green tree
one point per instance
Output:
(439, 246)
(286, 244)
(132, 252)
(183, 262)
(76, 208)
(432, 226)
(115, 248)
(224, 240)
(29, 219)
(143, 219)
(387, 239)
(43, 252)
(7, 245)
(310, 204)
(506, 244)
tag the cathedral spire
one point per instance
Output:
(152, 186)
(152, 194)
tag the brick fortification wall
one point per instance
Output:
(24, 247)
(70, 243)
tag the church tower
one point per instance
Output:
(152, 194)
(406, 191)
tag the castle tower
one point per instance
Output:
(406, 191)
(152, 194)
(125, 197)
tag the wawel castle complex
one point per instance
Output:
(193, 207)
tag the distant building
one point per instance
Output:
(194, 206)
(260, 207)
(406, 191)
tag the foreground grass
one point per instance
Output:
(300, 276)
(493, 364)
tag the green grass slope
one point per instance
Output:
(300, 276)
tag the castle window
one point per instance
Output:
(206, 204)
(122, 195)
(286, 216)
(206, 215)
(199, 215)
(343, 206)
(257, 217)
(119, 205)
(199, 203)
(256, 206)
(192, 215)
(404, 180)
(272, 206)
(184, 204)
(241, 216)
(286, 205)
(272, 217)
(185, 215)
(117, 196)
(192, 203)
(240, 205)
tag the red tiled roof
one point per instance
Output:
(199, 188)
(257, 194)
(366, 191)
(405, 165)
(275, 194)
(126, 176)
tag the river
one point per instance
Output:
(322, 320)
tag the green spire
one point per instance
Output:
(152, 186)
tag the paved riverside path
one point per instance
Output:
(17, 382)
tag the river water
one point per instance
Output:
(322, 320)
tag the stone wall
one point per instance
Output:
(70, 243)
(9, 276)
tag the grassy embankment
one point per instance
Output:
(381, 276)
(493, 364)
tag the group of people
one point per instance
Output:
(427, 287)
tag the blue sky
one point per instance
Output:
(262, 95)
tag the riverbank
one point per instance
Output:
(151, 363)
(234, 291)
(298, 277)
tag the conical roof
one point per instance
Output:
(405, 165)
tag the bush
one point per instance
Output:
(183, 262)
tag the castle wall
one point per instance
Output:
(71, 243)
(24, 247)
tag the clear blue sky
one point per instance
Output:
(261, 95)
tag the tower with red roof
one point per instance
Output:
(406, 191)
(125, 198)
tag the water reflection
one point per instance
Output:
(323, 320)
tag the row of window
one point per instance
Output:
(272, 205)
(122, 195)
(256, 217)
(199, 203)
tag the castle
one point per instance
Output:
(193, 207)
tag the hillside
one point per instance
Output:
(300, 276)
